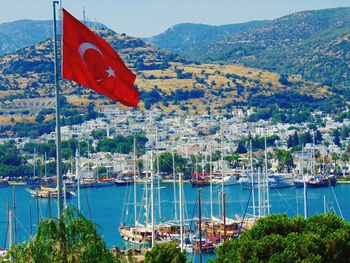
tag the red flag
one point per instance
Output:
(90, 61)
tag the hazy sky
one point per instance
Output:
(149, 17)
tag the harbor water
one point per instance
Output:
(109, 206)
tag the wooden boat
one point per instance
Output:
(207, 247)
(48, 192)
(200, 179)
(103, 183)
(168, 231)
(215, 227)
(139, 235)
(85, 183)
(322, 181)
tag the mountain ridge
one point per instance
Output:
(314, 44)
(165, 80)
(22, 33)
(186, 36)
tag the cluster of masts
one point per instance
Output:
(217, 229)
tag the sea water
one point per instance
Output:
(112, 205)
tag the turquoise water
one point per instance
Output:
(105, 205)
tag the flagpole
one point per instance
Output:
(58, 125)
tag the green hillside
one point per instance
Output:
(183, 37)
(314, 45)
(165, 80)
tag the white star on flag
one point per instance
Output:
(110, 72)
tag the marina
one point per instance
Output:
(105, 205)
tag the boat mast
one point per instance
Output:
(34, 157)
(181, 214)
(224, 213)
(222, 168)
(267, 180)
(158, 176)
(211, 182)
(14, 214)
(152, 201)
(200, 226)
(64, 196)
(30, 222)
(9, 224)
(146, 186)
(174, 183)
(259, 193)
(313, 154)
(305, 185)
(45, 168)
(48, 204)
(135, 200)
(77, 160)
(252, 176)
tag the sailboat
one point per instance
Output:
(138, 234)
(223, 228)
(49, 192)
(319, 180)
(45, 191)
(171, 230)
(200, 179)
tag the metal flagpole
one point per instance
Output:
(77, 175)
(152, 201)
(58, 126)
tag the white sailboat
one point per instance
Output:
(138, 234)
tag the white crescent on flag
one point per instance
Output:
(84, 47)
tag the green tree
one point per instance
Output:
(285, 159)
(166, 163)
(11, 163)
(295, 139)
(336, 135)
(276, 238)
(99, 133)
(71, 239)
(40, 118)
(216, 155)
(165, 253)
(241, 148)
(290, 143)
(318, 137)
(233, 159)
(344, 159)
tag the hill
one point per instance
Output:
(165, 80)
(312, 44)
(23, 33)
(183, 37)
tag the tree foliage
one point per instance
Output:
(122, 144)
(276, 238)
(165, 253)
(285, 159)
(166, 163)
(71, 239)
(11, 163)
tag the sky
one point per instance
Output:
(143, 18)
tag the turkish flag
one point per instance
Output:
(90, 61)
